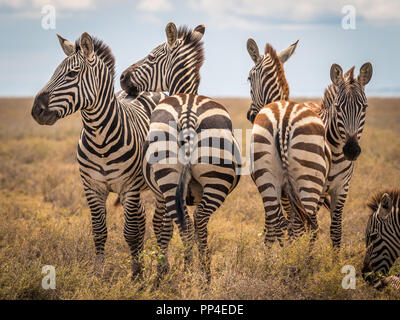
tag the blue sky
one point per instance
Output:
(29, 54)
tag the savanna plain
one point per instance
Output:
(45, 221)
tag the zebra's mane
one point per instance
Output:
(193, 39)
(269, 50)
(374, 201)
(103, 51)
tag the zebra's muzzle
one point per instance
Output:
(351, 149)
(40, 110)
(127, 85)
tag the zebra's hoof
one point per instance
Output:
(137, 273)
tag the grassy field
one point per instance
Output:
(45, 221)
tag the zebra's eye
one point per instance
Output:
(152, 58)
(72, 74)
(374, 236)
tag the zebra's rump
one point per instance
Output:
(295, 131)
(192, 130)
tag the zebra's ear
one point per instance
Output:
(284, 55)
(86, 43)
(68, 47)
(172, 34)
(386, 206)
(200, 29)
(365, 73)
(336, 74)
(253, 51)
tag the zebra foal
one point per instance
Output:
(111, 142)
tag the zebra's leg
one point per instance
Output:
(134, 228)
(286, 210)
(97, 204)
(210, 202)
(270, 195)
(187, 237)
(158, 218)
(167, 229)
(337, 203)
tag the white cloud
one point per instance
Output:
(68, 5)
(263, 14)
(31, 9)
(154, 5)
(71, 5)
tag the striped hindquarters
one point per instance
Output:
(290, 155)
(192, 132)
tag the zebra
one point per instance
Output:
(173, 66)
(112, 138)
(290, 155)
(382, 233)
(343, 112)
(191, 156)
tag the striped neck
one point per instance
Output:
(327, 113)
(183, 73)
(105, 114)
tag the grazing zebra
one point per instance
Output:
(382, 233)
(343, 111)
(290, 155)
(191, 157)
(110, 147)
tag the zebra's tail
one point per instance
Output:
(289, 185)
(296, 203)
(180, 195)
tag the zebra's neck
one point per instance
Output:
(328, 115)
(184, 70)
(106, 113)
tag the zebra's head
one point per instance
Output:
(267, 76)
(350, 106)
(172, 66)
(382, 234)
(76, 82)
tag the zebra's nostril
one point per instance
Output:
(122, 77)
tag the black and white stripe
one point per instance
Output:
(110, 148)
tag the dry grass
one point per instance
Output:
(45, 220)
